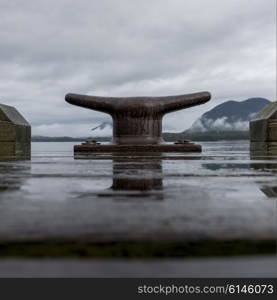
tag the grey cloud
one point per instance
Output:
(128, 47)
(221, 124)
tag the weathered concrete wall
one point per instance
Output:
(263, 131)
(15, 133)
(272, 129)
(7, 131)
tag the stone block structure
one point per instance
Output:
(15, 134)
(263, 131)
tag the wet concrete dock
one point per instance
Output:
(218, 195)
(182, 213)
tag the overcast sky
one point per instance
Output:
(132, 48)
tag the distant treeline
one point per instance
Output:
(168, 137)
(68, 139)
(207, 136)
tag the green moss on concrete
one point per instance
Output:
(138, 250)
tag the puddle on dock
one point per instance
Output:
(220, 194)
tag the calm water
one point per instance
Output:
(218, 194)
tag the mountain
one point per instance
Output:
(103, 126)
(227, 121)
(229, 116)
